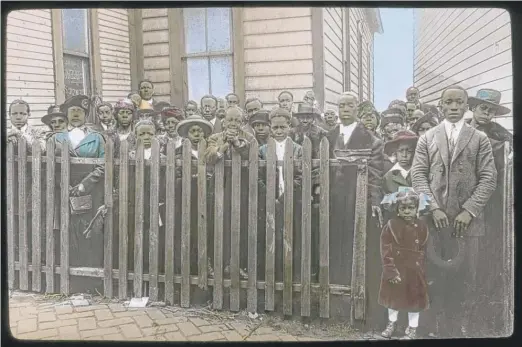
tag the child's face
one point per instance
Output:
(105, 114)
(279, 127)
(407, 210)
(261, 129)
(404, 155)
(146, 133)
(170, 125)
(58, 123)
(191, 109)
(195, 134)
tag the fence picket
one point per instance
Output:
(10, 171)
(324, 230)
(306, 227)
(185, 222)
(123, 233)
(202, 216)
(507, 243)
(49, 221)
(22, 215)
(358, 283)
(107, 223)
(36, 211)
(138, 221)
(170, 221)
(252, 226)
(64, 217)
(288, 230)
(270, 226)
(219, 169)
(235, 229)
(154, 221)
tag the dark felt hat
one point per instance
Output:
(172, 111)
(53, 111)
(491, 97)
(76, 100)
(402, 136)
(184, 126)
(427, 118)
(304, 109)
(261, 116)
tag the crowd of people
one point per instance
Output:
(439, 174)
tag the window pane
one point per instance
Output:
(76, 71)
(75, 30)
(198, 79)
(218, 29)
(222, 76)
(194, 21)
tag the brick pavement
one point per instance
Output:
(36, 317)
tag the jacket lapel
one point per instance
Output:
(401, 181)
(464, 137)
(442, 143)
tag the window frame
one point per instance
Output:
(186, 56)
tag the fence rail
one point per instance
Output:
(40, 171)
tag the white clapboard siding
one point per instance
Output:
(333, 37)
(114, 53)
(470, 47)
(278, 52)
(29, 61)
(156, 61)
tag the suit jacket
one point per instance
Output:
(216, 143)
(314, 133)
(361, 138)
(218, 126)
(464, 181)
(393, 179)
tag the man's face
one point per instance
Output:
(19, 114)
(279, 127)
(124, 117)
(454, 104)
(410, 108)
(330, 117)
(306, 120)
(136, 99)
(195, 134)
(412, 95)
(309, 99)
(348, 108)
(191, 109)
(391, 129)
(233, 119)
(146, 91)
(286, 101)
(232, 100)
(146, 132)
(423, 128)
(58, 124)
(407, 210)
(252, 107)
(105, 114)
(76, 116)
(261, 129)
(170, 125)
(415, 116)
(369, 121)
(404, 155)
(484, 113)
(208, 108)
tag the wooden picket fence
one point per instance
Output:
(18, 271)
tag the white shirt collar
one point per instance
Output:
(347, 130)
(402, 170)
(195, 153)
(147, 153)
(213, 121)
(448, 126)
(24, 128)
(280, 149)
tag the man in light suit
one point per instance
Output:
(454, 166)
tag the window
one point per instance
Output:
(76, 52)
(208, 51)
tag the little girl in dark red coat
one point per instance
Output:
(403, 280)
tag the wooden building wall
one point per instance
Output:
(277, 52)
(333, 41)
(29, 65)
(466, 46)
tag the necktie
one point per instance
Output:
(453, 138)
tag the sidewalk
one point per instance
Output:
(42, 317)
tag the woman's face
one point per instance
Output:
(146, 132)
(58, 124)
(76, 116)
(170, 125)
(124, 117)
(105, 114)
(423, 128)
(369, 121)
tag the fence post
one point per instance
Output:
(235, 226)
(64, 227)
(49, 258)
(107, 224)
(306, 227)
(22, 214)
(154, 220)
(270, 226)
(170, 222)
(324, 229)
(358, 284)
(185, 222)
(138, 221)
(36, 211)
(10, 171)
(219, 169)
(252, 226)
(202, 216)
(123, 234)
(288, 229)
(508, 242)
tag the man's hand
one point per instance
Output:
(462, 222)
(395, 280)
(231, 136)
(440, 219)
(376, 212)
